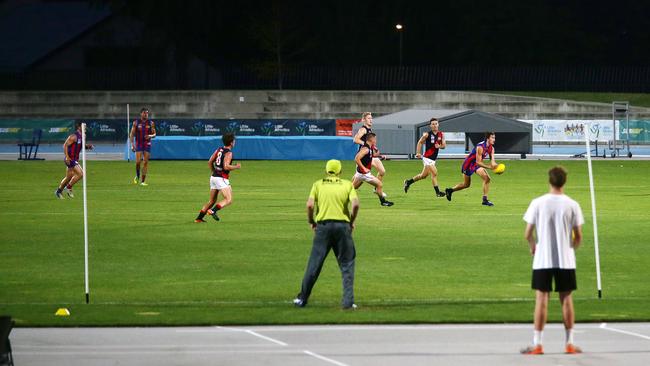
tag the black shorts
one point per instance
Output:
(565, 279)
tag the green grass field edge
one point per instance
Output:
(479, 311)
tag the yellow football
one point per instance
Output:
(500, 168)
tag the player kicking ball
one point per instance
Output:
(71, 149)
(364, 163)
(433, 141)
(475, 163)
(220, 164)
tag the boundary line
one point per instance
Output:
(323, 358)
(605, 327)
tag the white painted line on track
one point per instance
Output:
(323, 358)
(171, 351)
(279, 342)
(443, 327)
(605, 327)
(303, 328)
(266, 338)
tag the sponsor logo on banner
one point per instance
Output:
(344, 126)
(280, 129)
(572, 130)
(198, 128)
(10, 130)
(246, 129)
(267, 128)
(211, 128)
(301, 128)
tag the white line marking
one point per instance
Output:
(299, 328)
(604, 326)
(434, 327)
(266, 338)
(323, 358)
(143, 346)
(171, 351)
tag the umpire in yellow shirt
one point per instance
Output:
(331, 199)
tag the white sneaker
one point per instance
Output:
(69, 192)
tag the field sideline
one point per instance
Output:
(422, 260)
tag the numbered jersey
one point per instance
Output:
(431, 151)
(218, 162)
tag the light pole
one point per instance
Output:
(400, 29)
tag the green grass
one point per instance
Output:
(422, 260)
(635, 99)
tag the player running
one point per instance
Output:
(143, 131)
(433, 141)
(364, 162)
(360, 139)
(220, 164)
(71, 149)
(475, 163)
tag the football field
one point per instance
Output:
(423, 260)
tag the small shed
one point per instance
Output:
(399, 132)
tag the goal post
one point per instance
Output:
(85, 205)
(128, 132)
(593, 213)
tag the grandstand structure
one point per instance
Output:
(274, 104)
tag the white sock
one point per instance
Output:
(569, 336)
(537, 337)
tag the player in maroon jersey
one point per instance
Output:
(433, 141)
(364, 163)
(143, 131)
(71, 149)
(360, 139)
(220, 164)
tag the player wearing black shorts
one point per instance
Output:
(557, 222)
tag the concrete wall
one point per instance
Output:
(287, 104)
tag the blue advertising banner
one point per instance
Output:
(115, 130)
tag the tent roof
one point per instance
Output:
(414, 117)
(455, 120)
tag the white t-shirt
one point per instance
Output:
(554, 217)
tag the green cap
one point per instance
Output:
(333, 167)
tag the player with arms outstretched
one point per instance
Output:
(143, 131)
(364, 162)
(360, 139)
(475, 163)
(71, 149)
(220, 164)
(433, 141)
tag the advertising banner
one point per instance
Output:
(639, 131)
(21, 130)
(344, 127)
(115, 130)
(572, 130)
(106, 130)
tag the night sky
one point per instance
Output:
(483, 33)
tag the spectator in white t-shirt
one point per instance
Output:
(557, 222)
